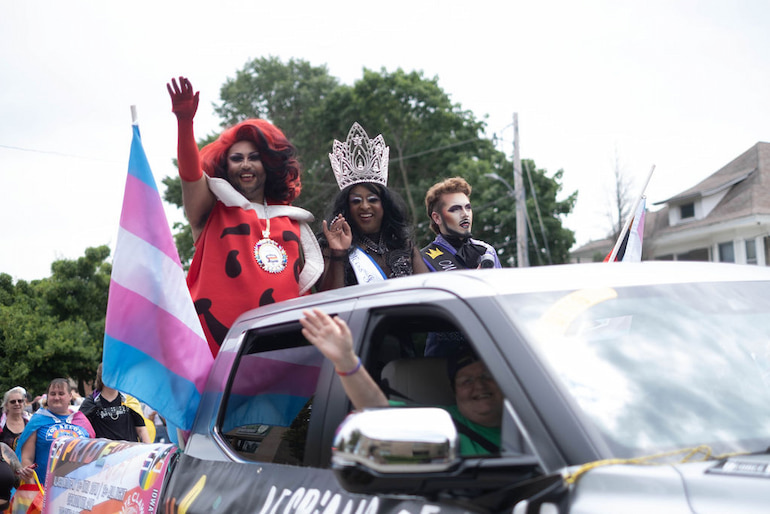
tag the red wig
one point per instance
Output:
(278, 156)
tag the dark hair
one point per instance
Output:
(278, 156)
(396, 230)
(98, 384)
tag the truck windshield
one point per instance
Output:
(660, 367)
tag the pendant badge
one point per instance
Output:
(270, 256)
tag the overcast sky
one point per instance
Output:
(684, 85)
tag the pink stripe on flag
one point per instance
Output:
(275, 376)
(142, 216)
(154, 331)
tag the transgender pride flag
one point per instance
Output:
(154, 347)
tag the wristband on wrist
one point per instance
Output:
(351, 372)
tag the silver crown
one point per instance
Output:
(360, 159)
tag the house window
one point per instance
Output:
(765, 247)
(751, 251)
(726, 252)
(687, 210)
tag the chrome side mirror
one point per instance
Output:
(396, 440)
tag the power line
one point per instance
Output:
(434, 150)
(60, 154)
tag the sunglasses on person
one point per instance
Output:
(14, 402)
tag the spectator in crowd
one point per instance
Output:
(37, 402)
(252, 247)
(111, 417)
(77, 400)
(478, 412)
(161, 433)
(367, 238)
(451, 218)
(10, 474)
(14, 417)
(48, 423)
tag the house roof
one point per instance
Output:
(591, 247)
(733, 172)
(748, 179)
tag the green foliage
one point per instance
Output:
(495, 215)
(426, 132)
(290, 95)
(54, 327)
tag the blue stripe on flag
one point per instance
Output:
(137, 162)
(155, 385)
(265, 409)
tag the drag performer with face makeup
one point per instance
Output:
(451, 218)
(367, 238)
(252, 247)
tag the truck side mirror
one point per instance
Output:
(378, 449)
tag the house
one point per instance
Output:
(592, 251)
(724, 218)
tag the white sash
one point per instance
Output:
(314, 261)
(366, 270)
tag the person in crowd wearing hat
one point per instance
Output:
(367, 236)
(252, 247)
(478, 411)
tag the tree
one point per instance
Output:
(54, 327)
(622, 199)
(290, 96)
(494, 212)
(425, 131)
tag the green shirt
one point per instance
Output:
(467, 445)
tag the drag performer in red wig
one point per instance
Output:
(252, 247)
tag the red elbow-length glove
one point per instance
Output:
(184, 103)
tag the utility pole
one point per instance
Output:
(522, 257)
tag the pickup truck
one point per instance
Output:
(627, 388)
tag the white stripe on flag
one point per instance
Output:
(142, 268)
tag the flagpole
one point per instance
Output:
(626, 226)
(134, 117)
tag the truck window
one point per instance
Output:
(410, 351)
(268, 403)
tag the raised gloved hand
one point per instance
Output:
(184, 103)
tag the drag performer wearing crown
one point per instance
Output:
(252, 247)
(367, 238)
